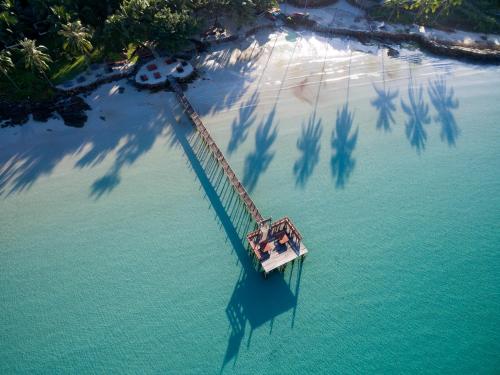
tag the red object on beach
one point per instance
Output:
(144, 77)
(168, 61)
(152, 67)
(157, 75)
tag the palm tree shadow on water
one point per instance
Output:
(443, 100)
(309, 146)
(418, 116)
(385, 106)
(309, 142)
(343, 144)
(258, 161)
(255, 301)
(384, 103)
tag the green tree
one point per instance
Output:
(35, 57)
(59, 15)
(76, 39)
(149, 21)
(8, 20)
(397, 6)
(6, 65)
(425, 8)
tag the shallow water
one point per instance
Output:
(120, 247)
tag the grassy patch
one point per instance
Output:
(37, 88)
(64, 70)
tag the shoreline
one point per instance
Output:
(67, 104)
(343, 19)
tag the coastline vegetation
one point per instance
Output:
(45, 42)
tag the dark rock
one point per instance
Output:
(72, 111)
(121, 89)
(42, 111)
(392, 52)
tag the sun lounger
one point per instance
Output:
(157, 75)
(152, 67)
(144, 77)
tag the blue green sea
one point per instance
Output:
(121, 246)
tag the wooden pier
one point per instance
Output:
(267, 242)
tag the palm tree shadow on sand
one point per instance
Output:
(126, 144)
(384, 103)
(258, 161)
(418, 116)
(136, 145)
(343, 144)
(240, 126)
(443, 100)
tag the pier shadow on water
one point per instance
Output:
(444, 101)
(255, 301)
(344, 141)
(258, 161)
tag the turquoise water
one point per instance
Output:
(120, 249)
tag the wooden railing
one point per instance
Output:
(216, 152)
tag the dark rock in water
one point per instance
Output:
(121, 89)
(49, 130)
(102, 118)
(392, 52)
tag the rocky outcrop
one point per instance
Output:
(438, 47)
(71, 109)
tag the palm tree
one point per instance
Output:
(77, 38)
(35, 58)
(6, 65)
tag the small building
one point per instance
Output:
(276, 244)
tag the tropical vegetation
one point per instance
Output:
(44, 42)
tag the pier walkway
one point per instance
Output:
(217, 153)
(273, 244)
